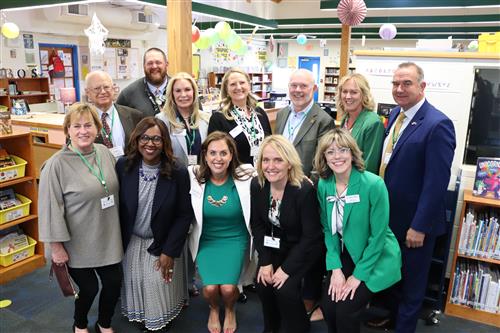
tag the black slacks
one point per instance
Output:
(86, 280)
(344, 316)
(283, 308)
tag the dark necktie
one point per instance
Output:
(106, 135)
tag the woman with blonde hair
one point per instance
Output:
(240, 116)
(287, 234)
(363, 255)
(186, 123)
(355, 102)
(79, 216)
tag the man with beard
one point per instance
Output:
(147, 94)
(303, 123)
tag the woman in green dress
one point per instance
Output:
(356, 103)
(220, 241)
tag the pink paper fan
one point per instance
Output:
(351, 12)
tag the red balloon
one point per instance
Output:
(195, 33)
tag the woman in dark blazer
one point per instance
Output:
(240, 116)
(287, 234)
(363, 255)
(155, 215)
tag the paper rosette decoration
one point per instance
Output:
(387, 31)
(351, 12)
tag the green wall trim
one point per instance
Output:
(495, 18)
(373, 36)
(332, 4)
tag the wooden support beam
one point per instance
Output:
(344, 56)
(179, 36)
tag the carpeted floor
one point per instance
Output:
(39, 307)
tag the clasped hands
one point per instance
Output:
(266, 275)
(340, 288)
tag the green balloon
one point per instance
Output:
(203, 42)
(237, 44)
(223, 29)
(231, 38)
(242, 50)
(212, 35)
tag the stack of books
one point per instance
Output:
(476, 285)
(480, 235)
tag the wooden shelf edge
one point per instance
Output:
(479, 316)
(17, 221)
(469, 197)
(490, 260)
(21, 268)
(16, 181)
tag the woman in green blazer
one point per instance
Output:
(355, 101)
(363, 256)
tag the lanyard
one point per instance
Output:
(110, 134)
(97, 173)
(190, 140)
(153, 100)
(277, 207)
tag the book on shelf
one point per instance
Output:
(487, 179)
(476, 285)
(13, 242)
(480, 235)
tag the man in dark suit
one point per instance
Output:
(118, 121)
(416, 162)
(147, 94)
(303, 122)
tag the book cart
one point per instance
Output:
(20, 144)
(465, 291)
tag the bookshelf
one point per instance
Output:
(331, 81)
(261, 82)
(472, 253)
(32, 90)
(20, 144)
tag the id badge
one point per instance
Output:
(387, 158)
(117, 151)
(352, 198)
(272, 242)
(192, 159)
(254, 151)
(108, 201)
(236, 131)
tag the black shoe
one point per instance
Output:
(242, 298)
(251, 288)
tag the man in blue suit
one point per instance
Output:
(416, 161)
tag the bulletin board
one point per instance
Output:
(120, 63)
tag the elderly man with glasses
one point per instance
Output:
(118, 121)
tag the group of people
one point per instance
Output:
(315, 215)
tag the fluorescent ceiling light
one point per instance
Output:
(53, 5)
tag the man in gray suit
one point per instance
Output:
(118, 121)
(303, 122)
(148, 94)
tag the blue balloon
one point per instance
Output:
(301, 39)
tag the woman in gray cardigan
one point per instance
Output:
(78, 216)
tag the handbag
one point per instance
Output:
(63, 279)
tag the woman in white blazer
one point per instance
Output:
(221, 239)
(186, 124)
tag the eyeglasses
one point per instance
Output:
(157, 140)
(341, 151)
(105, 88)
